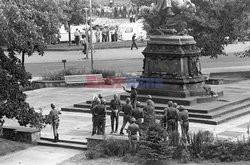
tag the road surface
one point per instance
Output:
(122, 59)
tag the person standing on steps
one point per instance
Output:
(115, 106)
(133, 95)
(127, 110)
(133, 42)
(54, 114)
(184, 122)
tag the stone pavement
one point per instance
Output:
(77, 126)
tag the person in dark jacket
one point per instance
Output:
(133, 42)
(115, 106)
(184, 122)
(133, 95)
(127, 110)
(99, 112)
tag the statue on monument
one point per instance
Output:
(171, 9)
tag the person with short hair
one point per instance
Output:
(133, 95)
(133, 133)
(127, 110)
(100, 117)
(77, 36)
(133, 42)
(138, 114)
(54, 115)
(184, 121)
(172, 117)
(149, 114)
(94, 103)
(115, 106)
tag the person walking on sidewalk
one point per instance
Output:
(84, 44)
(115, 106)
(133, 42)
(54, 114)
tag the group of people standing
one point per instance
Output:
(137, 116)
(116, 11)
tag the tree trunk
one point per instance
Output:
(23, 58)
(69, 34)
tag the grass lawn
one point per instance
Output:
(7, 146)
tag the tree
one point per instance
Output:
(28, 26)
(212, 22)
(143, 2)
(74, 10)
(12, 98)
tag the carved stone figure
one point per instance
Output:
(180, 5)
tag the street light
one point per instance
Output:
(91, 43)
(86, 32)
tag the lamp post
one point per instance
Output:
(86, 32)
(91, 43)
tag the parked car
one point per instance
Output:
(126, 31)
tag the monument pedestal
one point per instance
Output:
(172, 67)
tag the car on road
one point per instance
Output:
(126, 31)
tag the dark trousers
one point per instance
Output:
(171, 125)
(114, 118)
(133, 45)
(84, 48)
(184, 131)
(101, 123)
(133, 102)
(126, 119)
(94, 123)
(77, 40)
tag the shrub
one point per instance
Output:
(105, 73)
(199, 141)
(59, 74)
(93, 154)
(113, 147)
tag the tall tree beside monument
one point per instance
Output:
(211, 23)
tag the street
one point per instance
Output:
(122, 59)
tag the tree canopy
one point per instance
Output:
(28, 26)
(12, 98)
(212, 22)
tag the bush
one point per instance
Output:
(105, 73)
(59, 74)
(109, 148)
(112, 147)
(199, 141)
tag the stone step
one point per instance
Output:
(221, 119)
(65, 141)
(88, 105)
(62, 144)
(220, 112)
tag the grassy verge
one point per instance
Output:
(101, 45)
(7, 146)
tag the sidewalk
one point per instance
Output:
(77, 126)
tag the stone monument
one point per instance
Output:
(172, 58)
